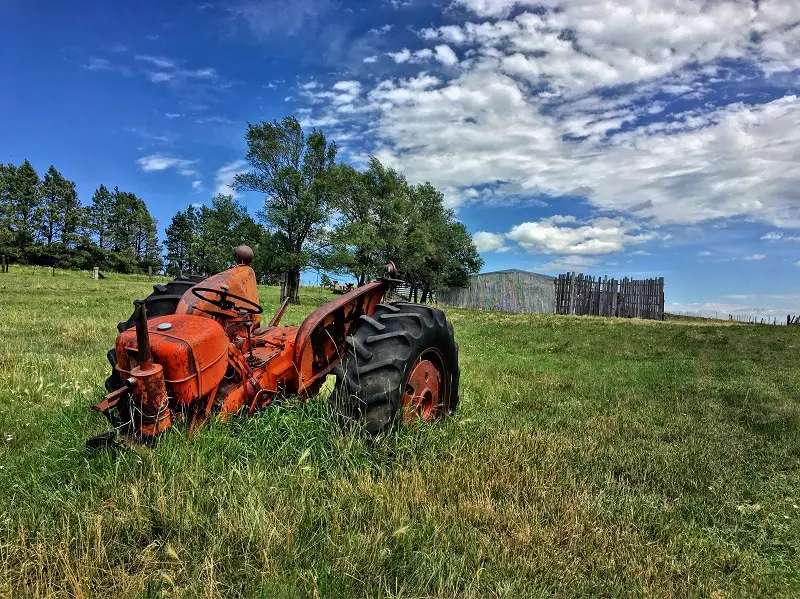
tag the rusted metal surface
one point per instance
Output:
(279, 314)
(207, 358)
(425, 388)
(193, 352)
(321, 340)
(151, 414)
(239, 280)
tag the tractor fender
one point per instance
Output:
(321, 340)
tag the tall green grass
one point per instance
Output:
(589, 457)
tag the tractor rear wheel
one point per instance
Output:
(162, 302)
(401, 364)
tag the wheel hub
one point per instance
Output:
(422, 398)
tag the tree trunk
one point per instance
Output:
(292, 287)
(424, 295)
(361, 278)
(415, 295)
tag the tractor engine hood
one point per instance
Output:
(192, 350)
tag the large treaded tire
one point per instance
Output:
(162, 302)
(372, 378)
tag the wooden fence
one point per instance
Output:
(589, 296)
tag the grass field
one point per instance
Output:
(590, 457)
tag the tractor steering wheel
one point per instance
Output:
(224, 302)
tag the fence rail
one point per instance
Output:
(590, 296)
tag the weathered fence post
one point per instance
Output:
(96, 273)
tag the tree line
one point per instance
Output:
(318, 214)
(43, 222)
(329, 216)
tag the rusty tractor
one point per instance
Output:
(197, 348)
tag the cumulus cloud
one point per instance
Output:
(370, 59)
(400, 57)
(226, 174)
(772, 236)
(562, 235)
(489, 242)
(529, 111)
(445, 55)
(162, 162)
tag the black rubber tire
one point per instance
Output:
(162, 302)
(372, 377)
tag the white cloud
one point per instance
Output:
(169, 69)
(158, 77)
(103, 64)
(225, 175)
(445, 55)
(266, 18)
(400, 57)
(197, 185)
(797, 263)
(523, 116)
(158, 61)
(755, 257)
(495, 8)
(772, 236)
(598, 236)
(382, 30)
(760, 307)
(370, 59)
(489, 242)
(173, 115)
(569, 263)
(162, 162)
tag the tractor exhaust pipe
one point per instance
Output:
(143, 354)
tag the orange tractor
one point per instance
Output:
(198, 348)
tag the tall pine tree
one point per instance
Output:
(61, 210)
(26, 205)
(101, 214)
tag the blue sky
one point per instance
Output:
(629, 137)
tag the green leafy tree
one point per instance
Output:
(26, 204)
(371, 207)
(293, 170)
(227, 225)
(100, 216)
(62, 214)
(436, 251)
(202, 240)
(178, 243)
(134, 231)
(7, 213)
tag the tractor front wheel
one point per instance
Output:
(401, 364)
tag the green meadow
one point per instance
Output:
(589, 458)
